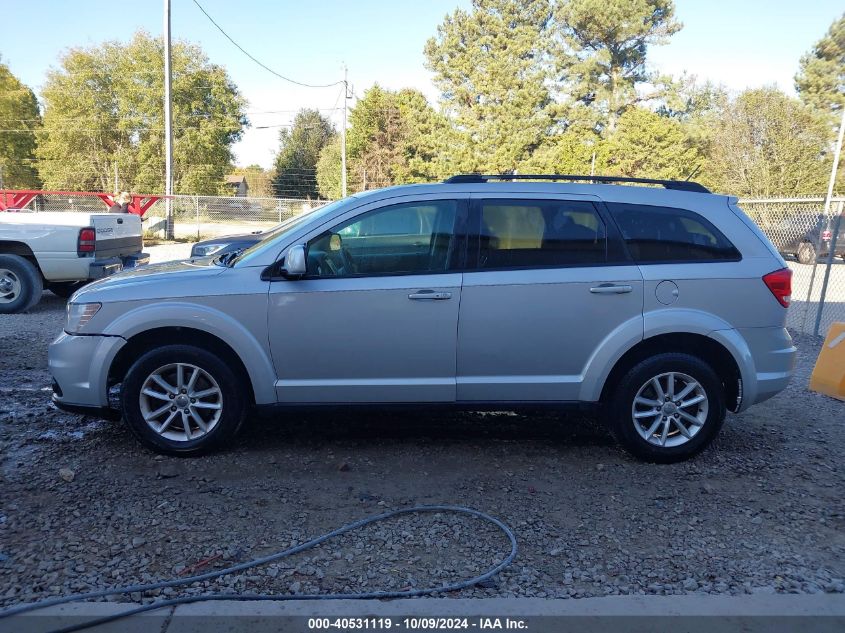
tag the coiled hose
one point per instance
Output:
(370, 595)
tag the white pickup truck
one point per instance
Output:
(61, 251)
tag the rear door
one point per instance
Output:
(546, 281)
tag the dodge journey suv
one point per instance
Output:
(660, 306)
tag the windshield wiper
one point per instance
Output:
(229, 258)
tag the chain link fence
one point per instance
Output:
(811, 239)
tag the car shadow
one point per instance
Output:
(284, 428)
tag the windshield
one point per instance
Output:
(281, 229)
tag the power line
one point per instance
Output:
(264, 66)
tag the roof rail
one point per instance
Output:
(677, 185)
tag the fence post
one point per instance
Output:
(836, 226)
(197, 207)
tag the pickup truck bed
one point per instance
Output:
(61, 251)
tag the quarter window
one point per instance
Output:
(539, 233)
(402, 238)
(666, 234)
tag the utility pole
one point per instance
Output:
(836, 224)
(168, 131)
(343, 136)
(1, 176)
(115, 178)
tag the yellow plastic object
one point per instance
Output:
(828, 375)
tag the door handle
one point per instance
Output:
(610, 289)
(429, 295)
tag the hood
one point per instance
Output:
(226, 239)
(168, 279)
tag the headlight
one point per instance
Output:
(78, 315)
(205, 251)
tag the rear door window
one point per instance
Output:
(667, 234)
(539, 233)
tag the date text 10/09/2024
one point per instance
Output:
(416, 623)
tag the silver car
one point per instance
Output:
(659, 306)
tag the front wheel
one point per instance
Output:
(667, 408)
(182, 400)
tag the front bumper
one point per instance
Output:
(79, 366)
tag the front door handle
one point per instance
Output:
(610, 289)
(429, 295)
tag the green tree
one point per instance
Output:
(647, 145)
(329, 183)
(491, 66)
(19, 118)
(299, 150)
(570, 152)
(601, 54)
(103, 119)
(820, 81)
(396, 137)
(768, 144)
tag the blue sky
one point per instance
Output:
(738, 43)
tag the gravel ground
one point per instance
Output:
(82, 506)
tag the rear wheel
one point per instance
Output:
(20, 284)
(806, 253)
(667, 408)
(182, 400)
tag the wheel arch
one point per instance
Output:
(182, 322)
(708, 349)
(175, 335)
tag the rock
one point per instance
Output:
(296, 587)
(138, 541)
(67, 474)
(707, 488)
(344, 467)
(757, 520)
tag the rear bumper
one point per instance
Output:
(773, 355)
(105, 267)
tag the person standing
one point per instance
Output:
(121, 203)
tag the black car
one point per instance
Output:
(218, 246)
(799, 236)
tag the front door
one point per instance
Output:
(375, 318)
(547, 281)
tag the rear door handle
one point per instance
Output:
(610, 289)
(429, 295)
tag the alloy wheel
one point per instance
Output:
(181, 402)
(670, 409)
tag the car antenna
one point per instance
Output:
(693, 172)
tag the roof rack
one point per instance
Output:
(677, 185)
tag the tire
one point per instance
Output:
(674, 446)
(65, 289)
(221, 424)
(20, 284)
(806, 253)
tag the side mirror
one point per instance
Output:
(295, 263)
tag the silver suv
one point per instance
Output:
(659, 306)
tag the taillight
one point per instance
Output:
(87, 241)
(826, 235)
(780, 283)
